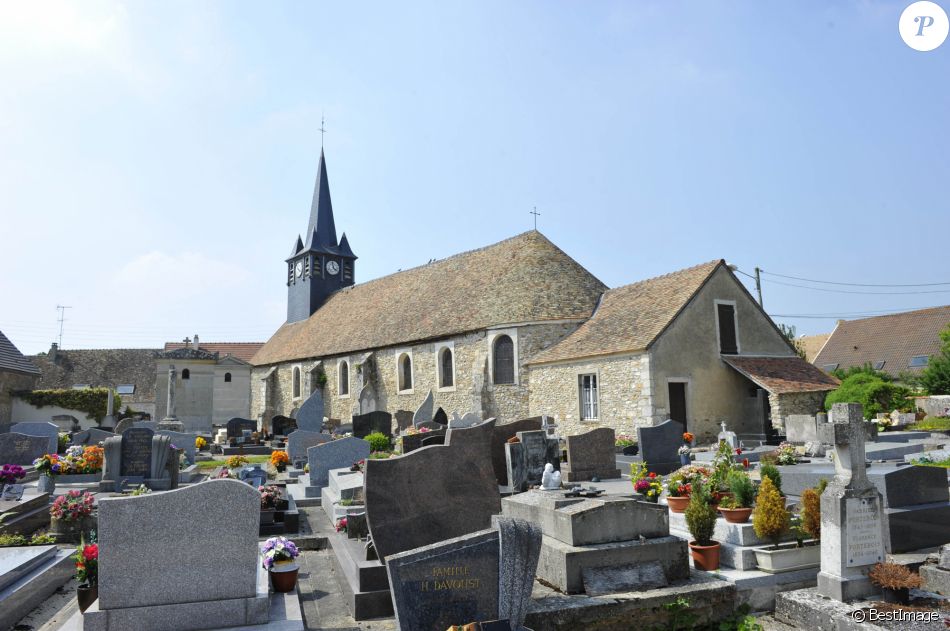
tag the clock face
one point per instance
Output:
(299, 269)
(333, 267)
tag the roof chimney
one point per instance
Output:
(194, 344)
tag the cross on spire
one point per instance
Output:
(323, 130)
(536, 215)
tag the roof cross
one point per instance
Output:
(536, 215)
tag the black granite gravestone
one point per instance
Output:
(282, 425)
(379, 421)
(136, 454)
(500, 435)
(236, 426)
(440, 417)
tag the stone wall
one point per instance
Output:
(472, 387)
(194, 397)
(784, 405)
(11, 381)
(231, 398)
(623, 385)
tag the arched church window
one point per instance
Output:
(503, 360)
(186, 374)
(296, 385)
(446, 376)
(344, 378)
(405, 372)
(227, 377)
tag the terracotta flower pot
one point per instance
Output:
(736, 515)
(678, 504)
(85, 596)
(284, 581)
(705, 557)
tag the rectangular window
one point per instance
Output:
(918, 361)
(878, 365)
(125, 388)
(589, 403)
(727, 329)
(829, 367)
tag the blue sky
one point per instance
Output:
(158, 159)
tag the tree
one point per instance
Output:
(936, 376)
(788, 331)
(873, 393)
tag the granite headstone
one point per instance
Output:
(425, 411)
(440, 417)
(236, 426)
(334, 455)
(365, 424)
(659, 446)
(500, 435)
(282, 425)
(136, 453)
(592, 454)
(40, 428)
(182, 441)
(91, 436)
(310, 415)
(21, 449)
(526, 458)
(403, 420)
(300, 440)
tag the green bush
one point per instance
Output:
(700, 515)
(936, 376)
(378, 441)
(873, 393)
(90, 401)
(743, 489)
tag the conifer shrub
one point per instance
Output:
(771, 472)
(770, 519)
(700, 515)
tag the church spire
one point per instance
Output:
(321, 233)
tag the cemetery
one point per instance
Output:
(506, 524)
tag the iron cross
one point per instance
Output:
(536, 215)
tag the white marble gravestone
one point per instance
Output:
(854, 532)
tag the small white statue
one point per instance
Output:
(551, 479)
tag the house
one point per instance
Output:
(212, 381)
(811, 345)
(519, 328)
(16, 373)
(896, 343)
(129, 371)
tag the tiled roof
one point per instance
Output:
(101, 367)
(13, 360)
(811, 344)
(892, 339)
(523, 279)
(629, 318)
(781, 375)
(240, 350)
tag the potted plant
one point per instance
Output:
(233, 463)
(280, 460)
(701, 520)
(737, 508)
(280, 555)
(771, 520)
(684, 453)
(786, 454)
(71, 516)
(270, 496)
(9, 474)
(646, 483)
(679, 485)
(47, 466)
(771, 472)
(895, 582)
(87, 573)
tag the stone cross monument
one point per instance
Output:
(170, 408)
(854, 531)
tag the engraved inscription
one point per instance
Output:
(136, 452)
(865, 542)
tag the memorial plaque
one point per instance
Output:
(12, 492)
(136, 452)
(864, 531)
(448, 583)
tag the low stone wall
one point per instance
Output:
(785, 405)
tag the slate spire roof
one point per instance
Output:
(321, 232)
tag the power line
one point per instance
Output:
(829, 282)
(866, 293)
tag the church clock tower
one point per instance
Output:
(320, 265)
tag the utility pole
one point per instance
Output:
(62, 318)
(758, 285)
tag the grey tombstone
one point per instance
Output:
(853, 524)
(801, 429)
(21, 449)
(366, 424)
(367, 400)
(425, 411)
(299, 441)
(335, 454)
(478, 577)
(182, 441)
(403, 420)
(470, 419)
(136, 455)
(124, 424)
(282, 425)
(253, 475)
(40, 428)
(592, 454)
(310, 415)
(236, 426)
(659, 446)
(433, 493)
(525, 459)
(91, 436)
(500, 435)
(142, 537)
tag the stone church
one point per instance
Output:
(518, 329)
